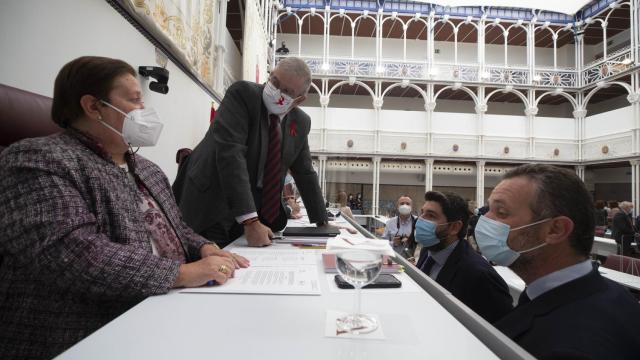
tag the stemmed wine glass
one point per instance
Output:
(358, 268)
(334, 209)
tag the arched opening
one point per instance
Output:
(341, 34)
(517, 50)
(495, 45)
(416, 42)
(313, 31)
(392, 37)
(364, 46)
(287, 30)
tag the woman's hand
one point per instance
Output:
(211, 250)
(209, 268)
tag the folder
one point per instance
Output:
(301, 231)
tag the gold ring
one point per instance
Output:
(223, 269)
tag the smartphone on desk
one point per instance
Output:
(384, 281)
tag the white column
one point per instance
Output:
(635, 184)
(376, 185)
(634, 100)
(377, 106)
(531, 54)
(429, 106)
(580, 171)
(428, 175)
(531, 113)
(219, 47)
(579, 56)
(579, 116)
(480, 108)
(324, 104)
(480, 183)
(322, 174)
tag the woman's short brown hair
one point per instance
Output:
(86, 75)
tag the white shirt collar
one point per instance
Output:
(557, 278)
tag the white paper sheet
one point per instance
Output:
(284, 280)
(353, 242)
(273, 257)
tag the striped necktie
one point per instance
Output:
(272, 182)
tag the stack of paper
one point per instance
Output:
(350, 242)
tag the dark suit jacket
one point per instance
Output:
(588, 318)
(622, 227)
(222, 178)
(472, 280)
(76, 253)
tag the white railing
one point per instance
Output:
(545, 77)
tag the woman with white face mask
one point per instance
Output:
(89, 228)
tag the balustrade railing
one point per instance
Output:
(560, 77)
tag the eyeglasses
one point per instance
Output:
(276, 83)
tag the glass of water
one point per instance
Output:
(334, 209)
(358, 268)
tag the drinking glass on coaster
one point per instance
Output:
(358, 268)
(334, 209)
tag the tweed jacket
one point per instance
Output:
(74, 252)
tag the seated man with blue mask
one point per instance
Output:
(541, 225)
(449, 259)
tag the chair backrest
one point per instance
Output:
(24, 115)
(624, 264)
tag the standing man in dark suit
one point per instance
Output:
(624, 230)
(541, 224)
(449, 259)
(232, 182)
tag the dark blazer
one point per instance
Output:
(222, 178)
(472, 280)
(76, 253)
(622, 227)
(588, 318)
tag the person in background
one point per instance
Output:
(623, 228)
(613, 210)
(449, 260)
(541, 225)
(351, 201)
(473, 220)
(600, 218)
(232, 182)
(399, 230)
(89, 228)
(358, 202)
(345, 210)
(290, 198)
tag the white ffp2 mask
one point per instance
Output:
(141, 127)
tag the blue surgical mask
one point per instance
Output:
(426, 232)
(492, 236)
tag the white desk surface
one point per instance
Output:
(232, 326)
(628, 280)
(517, 284)
(605, 246)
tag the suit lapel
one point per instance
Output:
(287, 140)
(264, 141)
(445, 276)
(521, 318)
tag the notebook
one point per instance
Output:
(325, 231)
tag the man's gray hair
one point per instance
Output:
(298, 67)
(626, 205)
